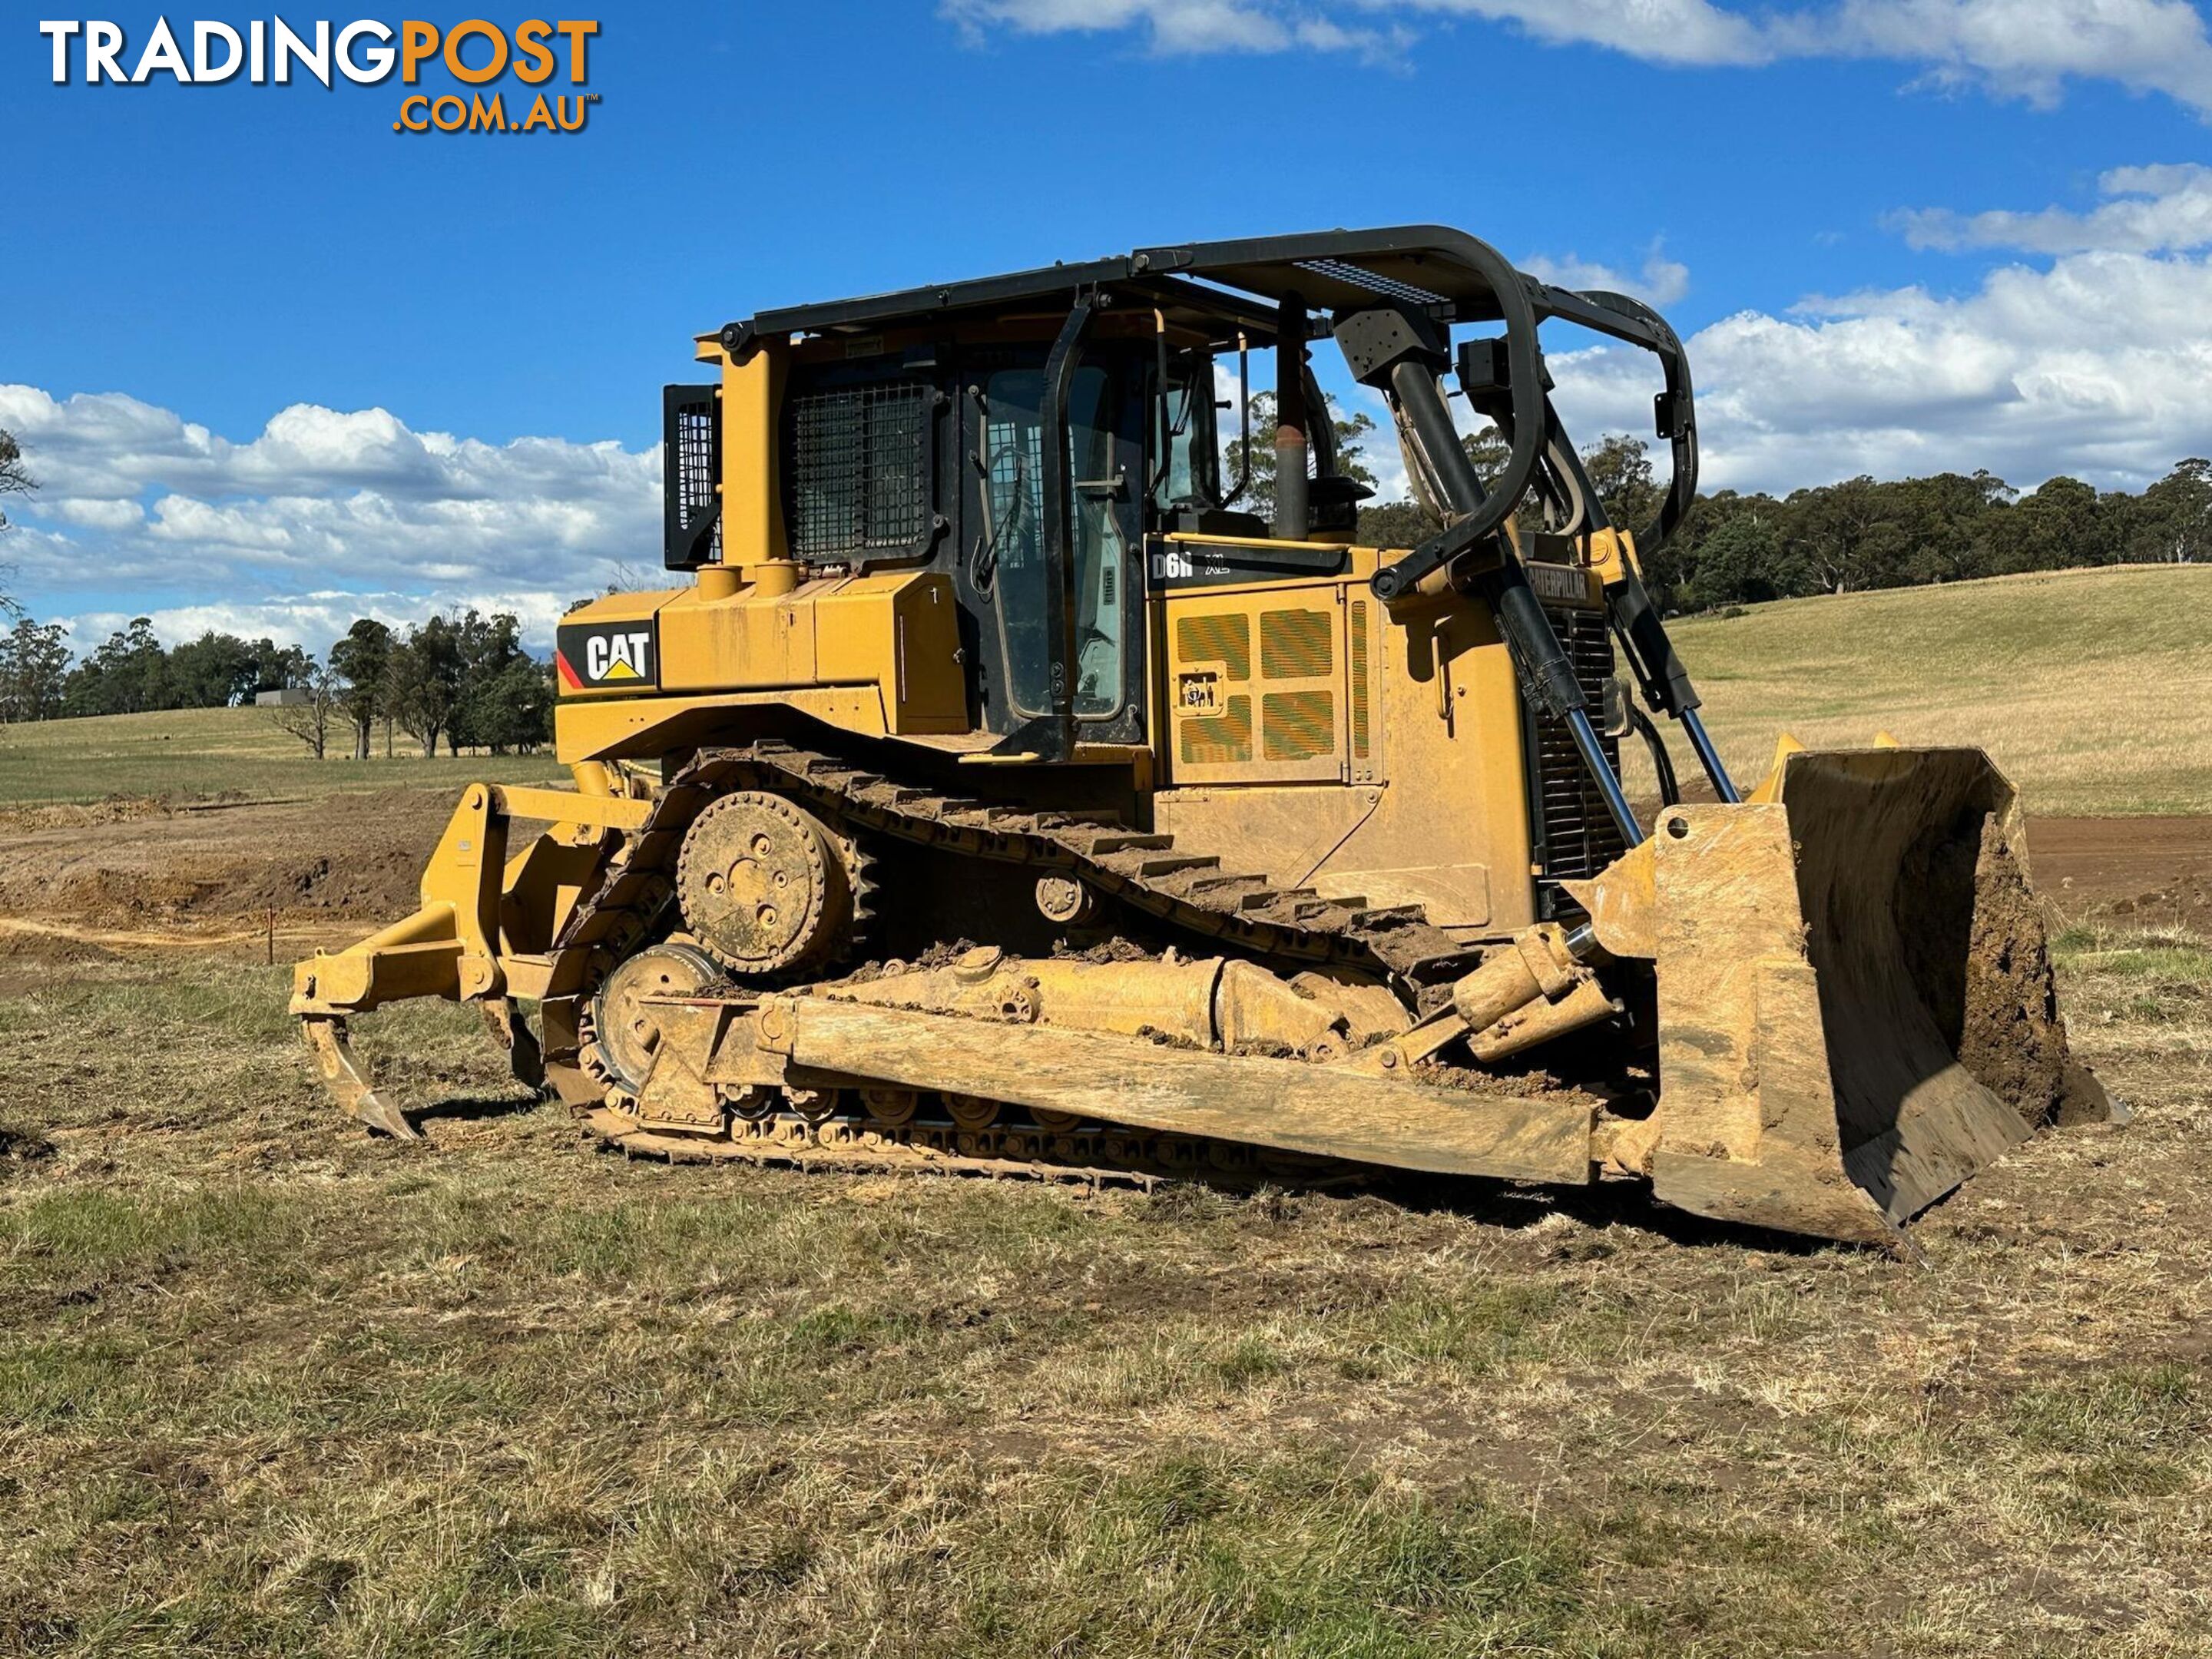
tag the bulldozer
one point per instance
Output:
(993, 789)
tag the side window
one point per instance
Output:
(1102, 553)
(859, 467)
(1009, 562)
(1186, 464)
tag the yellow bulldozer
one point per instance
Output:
(994, 790)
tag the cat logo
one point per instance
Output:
(605, 656)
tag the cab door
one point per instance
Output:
(1009, 572)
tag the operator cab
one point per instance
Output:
(1053, 445)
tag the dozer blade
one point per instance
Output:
(1855, 1004)
(349, 1084)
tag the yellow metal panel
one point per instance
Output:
(1451, 831)
(856, 629)
(624, 607)
(742, 642)
(899, 631)
(649, 728)
(929, 691)
(1255, 684)
(752, 506)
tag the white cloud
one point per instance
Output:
(2153, 209)
(2016, 48)
(2021, 48)
(1659, 282)
(2100, 367)
(322, 498)
(1184, 27)
(1661, 30)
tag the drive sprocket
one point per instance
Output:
(766, 887)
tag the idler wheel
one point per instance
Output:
(764, 885)
(890, 1109)
(629, 1027)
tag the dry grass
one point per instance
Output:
(2084, 685)
(190, 754)
(269, 1387)
(266, 1386)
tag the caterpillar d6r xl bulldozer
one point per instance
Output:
(990, 791)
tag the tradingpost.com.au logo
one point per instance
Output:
(367, 52)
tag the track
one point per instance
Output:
(1191, 894)
(1091, 1156)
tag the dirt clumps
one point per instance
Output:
(2012, 1037)
(2142, 872)
(20, 1148)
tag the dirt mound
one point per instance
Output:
(2011, 1036)
(140, 863)
(384, 879)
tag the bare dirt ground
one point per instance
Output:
(269, 1386)
(340, 859)
(122, 864)
(2150, 871)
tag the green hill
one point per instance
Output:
(194, 753)
(2090, 688)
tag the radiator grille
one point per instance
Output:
(1579, 836)
(1221, 739)
(1299, 725)
(1357, 653)
(1223, 637)
(1295, 644)
(856, 470)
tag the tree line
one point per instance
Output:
(464, 681)
(1736, 548)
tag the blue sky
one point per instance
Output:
(275, 363)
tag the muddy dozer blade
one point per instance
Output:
(1855, 1004)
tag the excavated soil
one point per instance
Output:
(2144, 873)
(132, 863)
(2011, 1036)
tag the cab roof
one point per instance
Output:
(1236, 286)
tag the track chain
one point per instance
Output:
(1092, 1156)
(1190, 892)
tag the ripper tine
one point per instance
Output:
(342, 1073)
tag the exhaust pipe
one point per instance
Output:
(1293, 517)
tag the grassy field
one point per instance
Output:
(2087, 686)
(2084, 685)
(268, 1387)
(193, 753)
